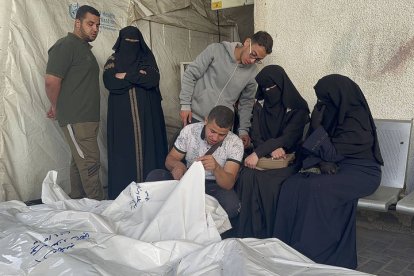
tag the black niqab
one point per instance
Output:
(347, 118)
(129, 55)
(277, 100)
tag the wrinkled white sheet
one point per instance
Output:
(156, 228)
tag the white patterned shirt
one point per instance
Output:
(190, 143)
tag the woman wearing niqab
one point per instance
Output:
(136, 135)
(277, 129)
(317, 206)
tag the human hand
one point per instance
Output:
(251, 160)
(51, 114)
(178, 171)
(143, 72)
(328, 167)
(120, 76)
(278, 153)
(246, 140)
(317, 116)
(186, 116)
(209, 162)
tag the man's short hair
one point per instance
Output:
(83, 10)
(222, 115)
(264, 39)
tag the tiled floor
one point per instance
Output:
(388, 251)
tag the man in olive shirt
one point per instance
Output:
(72, 86)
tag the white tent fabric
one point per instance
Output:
(30, 144)
(156, 228)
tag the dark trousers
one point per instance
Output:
(227, 198)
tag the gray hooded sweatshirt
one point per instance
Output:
(215, 78)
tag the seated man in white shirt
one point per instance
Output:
(219, 150)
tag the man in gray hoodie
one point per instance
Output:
(222, 75)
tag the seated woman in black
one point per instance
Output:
(317, 206)
(277, 128)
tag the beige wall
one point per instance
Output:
(372, 42)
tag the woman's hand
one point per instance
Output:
(120, 76)
(278, 153)
(328, 167)
(251, 160)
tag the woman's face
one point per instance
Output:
(272, 95)
(329, 114)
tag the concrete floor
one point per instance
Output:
(385, 244)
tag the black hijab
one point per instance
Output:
(132, 56)
(347, 118)
(277, 101)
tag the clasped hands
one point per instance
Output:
(252, 160)
(121, 76)
(51, 113)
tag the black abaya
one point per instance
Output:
(258, 192)
(136, 135)
(278, 124)
(316, 212)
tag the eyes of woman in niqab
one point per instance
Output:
(131, 40)
(267, 89)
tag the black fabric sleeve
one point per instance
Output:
(319, 144)
(291, 135)
(255, 134)
(113, 84)
(147, 81)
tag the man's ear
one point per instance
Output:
(246, 42)
(205, 120)
(77, 23)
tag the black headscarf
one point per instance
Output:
(277, 100)
(347, 118)
(131, 56)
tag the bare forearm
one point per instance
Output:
(52, 87)
(171, 163)
(52, 94)
(224, 179)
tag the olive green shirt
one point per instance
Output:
(72, 60)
